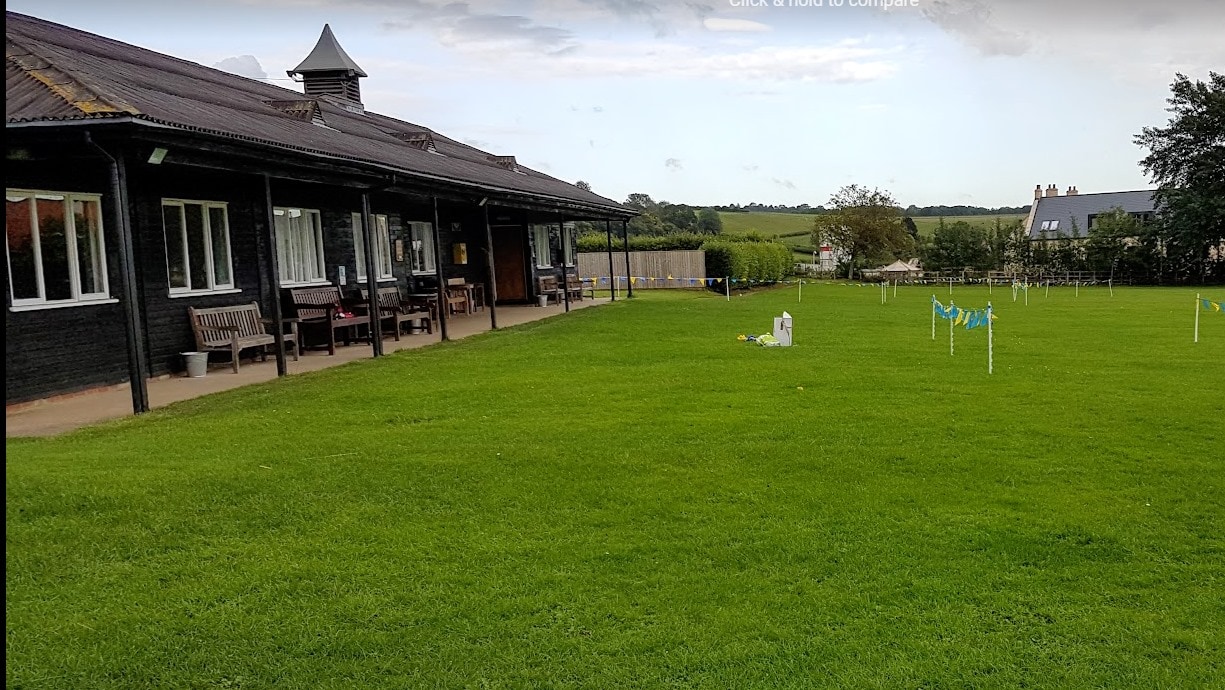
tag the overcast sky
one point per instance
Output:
(707, 102)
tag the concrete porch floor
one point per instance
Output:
(66, 413)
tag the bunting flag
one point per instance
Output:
(1209, 305)
(970, 318)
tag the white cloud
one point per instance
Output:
(243, 66)
(673, 164)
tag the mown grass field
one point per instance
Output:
(795, 230)
(628, 497)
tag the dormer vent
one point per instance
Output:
(507, 162)
(418, 140)
(306, 110)
(329, 71)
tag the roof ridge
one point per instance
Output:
(76, 92)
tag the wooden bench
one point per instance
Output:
(235, 329)
(547, 286)
(574, 287)
(320, 310)
(396, 312)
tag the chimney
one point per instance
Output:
(1052, 191)
(1072, 191)
(1037, 192)
(329, 71)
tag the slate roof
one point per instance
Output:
(1078, 208)
(57, 74)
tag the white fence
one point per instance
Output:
(669, 269)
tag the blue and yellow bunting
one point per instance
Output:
(970, 318)
(1209, 305)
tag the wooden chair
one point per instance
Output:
(321, 310)
(237, 328)
(394, 311)
(547, 286)
(457, 296)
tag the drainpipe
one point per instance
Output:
(138, 372)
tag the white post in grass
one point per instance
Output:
(934, 317)
(1027, 294)
(1111, 286)
(727, 284)
(988, 285)
(1078, 288)
(895, 287)
(951, 312)
(801, 297)
(1048, 287)
(990, 343)
(1197, 298)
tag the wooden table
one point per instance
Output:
(429, 300)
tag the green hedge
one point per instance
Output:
(596, 242)
(760, 262)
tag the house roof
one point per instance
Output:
(1072, 212)
(328, 56)
(57, 75)
(900, 266)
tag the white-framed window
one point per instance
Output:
(382, 246)
(56, 251)
(197, 246)
(540, 241)
(421, 248)
(571, 241)
(299, 245)
(1050, 225)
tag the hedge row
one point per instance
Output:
(762, 262)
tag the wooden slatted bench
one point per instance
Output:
(394, 310)
(574, 286)
(319, 309)
(547, 286)
(235, 329)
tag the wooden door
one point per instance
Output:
(509, 262)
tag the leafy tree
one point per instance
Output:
(679, 216)
(585, 186)
(958, 245)
(1187, 161)
(642, 202)
(911, 229)
(1106, 245)
(647, 223)
(865, 224)
(709, 222)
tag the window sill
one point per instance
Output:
(316, 283)
(361, 280)
(62, 305)
(205, 293)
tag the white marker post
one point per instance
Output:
(727, 284)
(801, 297)
(895, 287)
(990, 344)
(1197, 298)
(988, 285)
(1111, 286)
(1078, 288)
(1027, 294)
(934, 318)
(951, 321)
(1048, 287)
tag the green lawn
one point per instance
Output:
(629, 497)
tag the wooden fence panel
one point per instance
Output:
(668, 269)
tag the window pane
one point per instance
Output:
(283, 250)
(176, 264)
(314, 261)
(359, 246)
(88, 227)
(384, 246)
(197, 253)
(23, 268)
(53, 241)
(219, 228)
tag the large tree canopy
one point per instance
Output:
(1187, 161)
(865, 224)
